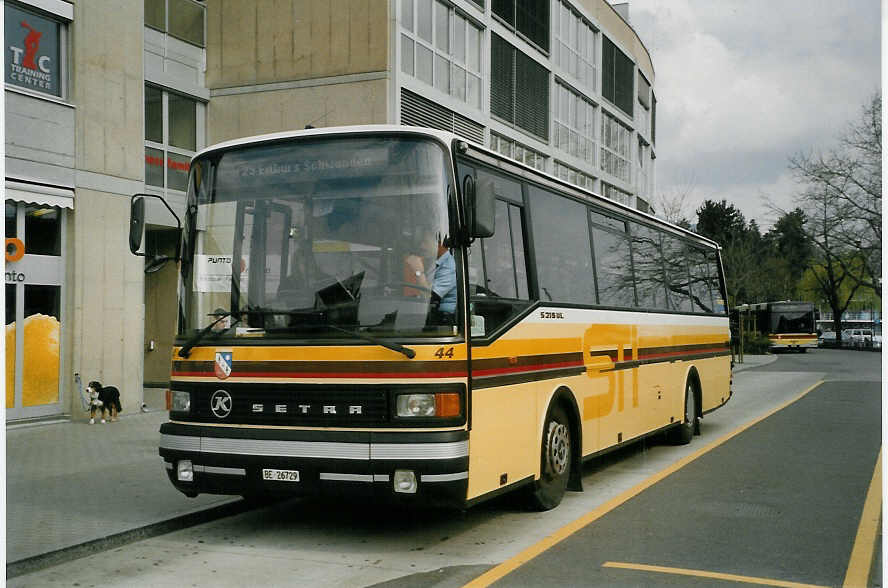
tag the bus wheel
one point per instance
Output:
(683, 434)
(555, 461)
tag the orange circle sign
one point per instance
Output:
(15, 249)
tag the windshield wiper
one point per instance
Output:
(371, 339)
(189, 345)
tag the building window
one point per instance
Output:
(35, 50)
(653, 119)
(171, 122)
(519, 88)
(574, 124)
(517, 151)
(574, 176)
(643, 113)
(575, 46)
(616, 76)
(530, 18)
(616, 194)
(183, 19)
(442, 48)
(616, 141)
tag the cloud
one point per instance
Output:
(742, 86)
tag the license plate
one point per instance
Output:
(280, 475)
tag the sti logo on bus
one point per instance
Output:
(223, 364)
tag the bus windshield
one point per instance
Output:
(327, 237)
(792, 319)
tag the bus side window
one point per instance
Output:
(562, 248)
(647, 264)
(699, 275)
(675, 258)
(613, 266)
(715, 283)
(497, 273)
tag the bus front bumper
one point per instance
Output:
(421, 467)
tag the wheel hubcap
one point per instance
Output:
(691, 410)
(559, 448)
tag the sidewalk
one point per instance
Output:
(82, 488)
(754, 361)
(70, 483)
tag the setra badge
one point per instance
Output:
(223, 364)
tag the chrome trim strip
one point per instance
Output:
(180, 442)
(444, 477)
(221, 470)
(346, 477)
(274, 448)
(316, 449)
(380, 477)
(451, 450)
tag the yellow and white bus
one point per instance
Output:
(394, 312)
(788, 325)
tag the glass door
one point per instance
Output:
(34, 293)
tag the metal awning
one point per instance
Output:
(39, 194)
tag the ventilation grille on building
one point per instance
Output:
(420, 112)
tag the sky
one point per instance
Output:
(742, 86)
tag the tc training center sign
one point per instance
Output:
(32, 51)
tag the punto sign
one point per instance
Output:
(32, 51)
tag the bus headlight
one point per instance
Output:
(440, 405)
(180, 401)
(416, 405)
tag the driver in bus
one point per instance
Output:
(439, 275)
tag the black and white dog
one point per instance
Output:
(102, 398)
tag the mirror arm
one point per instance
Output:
(172, 212)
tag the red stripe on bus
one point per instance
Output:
(678, 353)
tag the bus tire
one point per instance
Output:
(555, 460)
(683, 433)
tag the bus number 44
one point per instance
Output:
(441, 353)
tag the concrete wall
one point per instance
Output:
(108, 86)
(105, 281)
(268, 41)
(241, 115)
(276, 65)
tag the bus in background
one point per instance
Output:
(393, 312)
(787, 325)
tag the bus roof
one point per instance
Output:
(443, 136)
(447, 138)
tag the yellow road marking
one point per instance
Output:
(857, 575)
(497, 572)
(704, 574)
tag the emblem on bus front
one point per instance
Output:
(223, 364)
(220, 403)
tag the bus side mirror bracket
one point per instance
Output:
(480, 207)
(137, 228)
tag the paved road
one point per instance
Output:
(736, 516)
(780, 501)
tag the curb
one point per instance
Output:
(66, 554)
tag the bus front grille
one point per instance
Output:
(291, 406)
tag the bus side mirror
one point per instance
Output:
(137, 224)
(137, 227)
(480, 207)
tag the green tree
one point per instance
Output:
(842, 195)
(842, 198)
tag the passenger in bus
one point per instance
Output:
(433, 269)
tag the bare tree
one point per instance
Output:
(843, 200)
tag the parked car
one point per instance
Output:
(877, 342)
(857, 338)
(827, 339)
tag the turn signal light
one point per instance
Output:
(447, 405)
